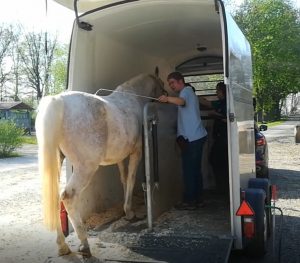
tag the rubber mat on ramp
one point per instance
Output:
(173, 249)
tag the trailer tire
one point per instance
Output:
(257, 246)
(264, 183)
(264, 172)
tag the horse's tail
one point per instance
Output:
(48, 128)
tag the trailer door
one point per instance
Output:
(241, 140)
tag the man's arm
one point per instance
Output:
(174, 100)
(205, 102)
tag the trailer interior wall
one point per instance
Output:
(134, 38)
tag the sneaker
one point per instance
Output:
(185, 206)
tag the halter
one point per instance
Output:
(125, 92)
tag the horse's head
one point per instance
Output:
(144, 86)
(157, 87)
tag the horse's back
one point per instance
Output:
(102, 128)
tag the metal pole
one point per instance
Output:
(147, 167)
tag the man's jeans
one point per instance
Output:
(192, 174)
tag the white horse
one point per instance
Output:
(90, 131)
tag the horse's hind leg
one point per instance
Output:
(63, 248)
(71, 198)
(123, 176)
(134, 160)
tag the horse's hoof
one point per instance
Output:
(64, 250)
(85, 251)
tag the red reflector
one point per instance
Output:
(245, 210)
(249, 228)
(64, 219)
(274, 192)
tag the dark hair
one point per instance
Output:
(175, 75)
(222, 87)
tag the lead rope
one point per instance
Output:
(127, 93)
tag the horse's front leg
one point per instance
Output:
(71, 198)
(134, 160)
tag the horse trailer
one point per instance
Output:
(113, 41)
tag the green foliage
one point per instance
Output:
(272, 123)
(29, 139)
(273, 30)
(59, 69)
(10, 138)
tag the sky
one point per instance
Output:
(32, 15)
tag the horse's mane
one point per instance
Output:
(135, 82)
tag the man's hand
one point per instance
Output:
(163, 98)
(173, 100)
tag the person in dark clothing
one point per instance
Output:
(219, 151)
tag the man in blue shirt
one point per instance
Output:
(191, 134)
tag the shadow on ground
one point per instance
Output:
(288, 182)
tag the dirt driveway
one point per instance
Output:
(24, 239)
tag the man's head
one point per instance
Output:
(221, 90)
(176, 81)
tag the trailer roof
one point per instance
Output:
(87, 5)
(174, 30)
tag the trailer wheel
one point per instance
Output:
(263, 183)
(257, 246)
(264, 172)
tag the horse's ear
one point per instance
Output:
(156, 72)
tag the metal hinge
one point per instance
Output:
(83, 25)
(231, 117)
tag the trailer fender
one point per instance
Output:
(260, 183)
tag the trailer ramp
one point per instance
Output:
(178, 250)
(202, 235)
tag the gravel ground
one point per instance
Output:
(24, 239)
(285, 173)
(284, 163)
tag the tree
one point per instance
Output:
(10, 138)
(6, 38)
(37, 54)
(273, 30)
(16, 72)
(59, 69)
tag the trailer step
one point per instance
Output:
(132, 261)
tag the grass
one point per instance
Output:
(13, 154)
(272, 123)
(29, 139)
